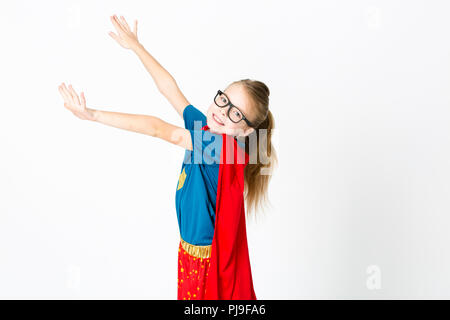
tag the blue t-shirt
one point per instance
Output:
(196, 190)
(197, 184)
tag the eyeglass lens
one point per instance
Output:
(234, 114)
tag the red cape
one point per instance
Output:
(230, 275)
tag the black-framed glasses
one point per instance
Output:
(234, 114)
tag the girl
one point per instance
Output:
(213, 259)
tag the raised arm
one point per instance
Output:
(164, 81)
(139, 123)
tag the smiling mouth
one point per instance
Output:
(217, 120)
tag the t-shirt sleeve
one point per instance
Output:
(206, 145)
(193, 118)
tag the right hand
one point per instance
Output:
(74, 104)
(127, 39)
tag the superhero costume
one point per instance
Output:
(213, 259)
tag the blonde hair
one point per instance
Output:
(256, 179)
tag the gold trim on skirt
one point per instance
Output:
(196, 251)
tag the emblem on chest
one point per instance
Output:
(181, 179)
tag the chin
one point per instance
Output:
(216, 130)
(213, 127)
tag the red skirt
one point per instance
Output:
(193, 266)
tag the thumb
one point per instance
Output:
(113, 35)
(83, 100)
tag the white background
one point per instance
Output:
(360, 95)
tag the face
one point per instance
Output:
(218, 121)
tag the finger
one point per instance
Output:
(116, 24)
(124, 22)
(74, 94)
(67, 99)
(61, 92)
(123, 28)
(114, 36)
(67, 91)
(70, 94)
(135, 28)
(66, 94)
(83, 100)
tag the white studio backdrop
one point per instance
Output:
(360, 95)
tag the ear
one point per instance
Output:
(248, 131)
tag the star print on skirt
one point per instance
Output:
(192, 274)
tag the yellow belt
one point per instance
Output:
(196, 251)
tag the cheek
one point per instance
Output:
(234, 128)
(232, 125)
(209, 116)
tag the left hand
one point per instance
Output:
(74, 104)
(127, 39)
